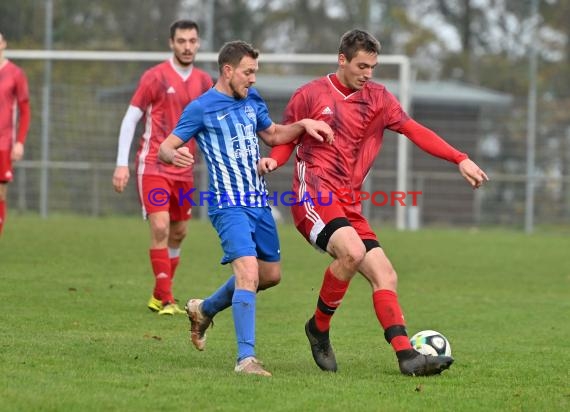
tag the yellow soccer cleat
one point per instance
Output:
(155, 304)
(171, 309)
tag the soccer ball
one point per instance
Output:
(430, 342)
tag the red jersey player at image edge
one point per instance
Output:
(14, 122)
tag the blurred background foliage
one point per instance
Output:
(481, 42)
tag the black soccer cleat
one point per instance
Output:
(323, 353)
(413, 363)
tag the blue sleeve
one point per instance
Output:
(263, 119)
(191, 121)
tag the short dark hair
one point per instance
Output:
(232, 52)
(356, 40)
(183, 25)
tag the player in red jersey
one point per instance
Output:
(358, 110)
(14, 99)
(162, 94)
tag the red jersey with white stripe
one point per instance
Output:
(162, 94)
(358, 121)
(13, 93)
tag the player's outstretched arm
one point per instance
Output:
(318, 130)
(277, 134)
(427, 140)
(472, 173)
(172, 153)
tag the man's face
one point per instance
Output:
(355, 73)
(243, 77)
(185, 45)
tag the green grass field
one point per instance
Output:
(76, 335)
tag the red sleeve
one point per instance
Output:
(23, 98)
(427, 140)
(282, 152)
(294, 111)
(23, 120)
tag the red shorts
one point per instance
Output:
(161, 194)
(311, 218)
(6, 172)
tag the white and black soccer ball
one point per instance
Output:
(431, 342)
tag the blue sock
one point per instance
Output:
(243, 308)
(220, 299)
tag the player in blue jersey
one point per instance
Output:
(225, 121)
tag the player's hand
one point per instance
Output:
(120, 178)
(17, 152)
(319, 130)
(182, 157)
(472, 173)
(266, 165)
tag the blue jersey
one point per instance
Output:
(226, 129)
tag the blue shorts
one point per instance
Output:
(246, 231)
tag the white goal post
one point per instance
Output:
(404, 95)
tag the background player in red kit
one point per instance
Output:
(358, 110)
(161, 96)
(14, 96)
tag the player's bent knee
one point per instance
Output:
(3, 190)
(354, 256)
(268, 279)
(178, 234)
(350, 253)
(159, 231)
(268, 283)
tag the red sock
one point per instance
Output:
(390, 315)
(160, 262)
(2, 214)
(330, 298)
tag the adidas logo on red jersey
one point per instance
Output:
(327, 110)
